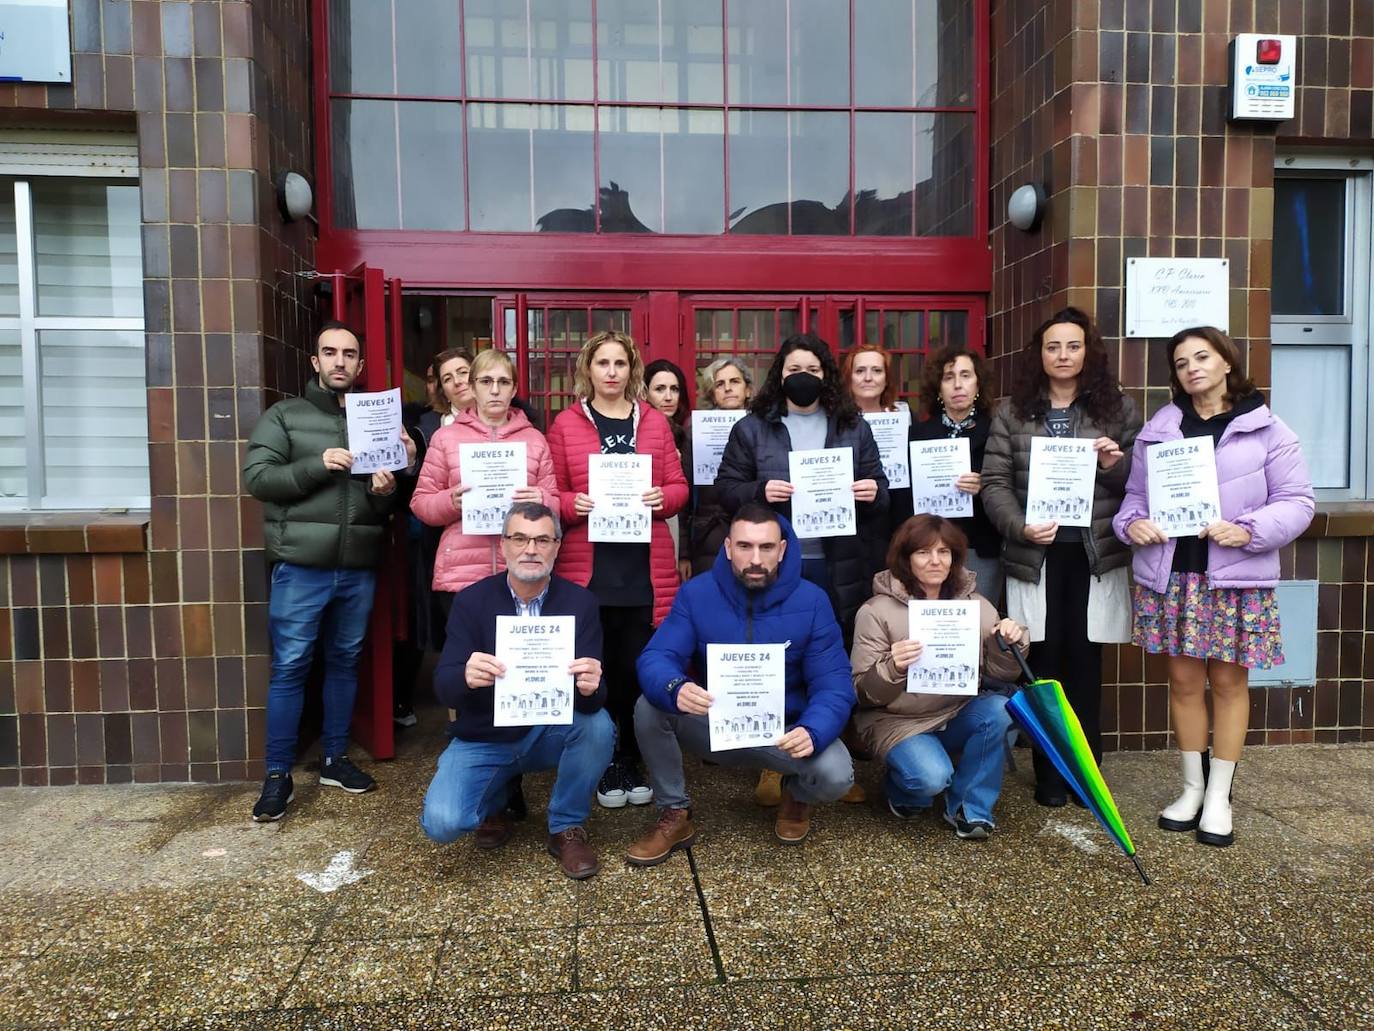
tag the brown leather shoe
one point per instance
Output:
(855, 794)
(767, 792)
(493, 832)
(673, 831)
(794, 820)
(573, 853)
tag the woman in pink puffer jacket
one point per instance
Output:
(463, 559)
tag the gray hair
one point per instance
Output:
(533, 511)
(706, 381)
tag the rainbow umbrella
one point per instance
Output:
(1046, 715)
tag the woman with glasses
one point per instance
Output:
(635, 583)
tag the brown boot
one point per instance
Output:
(493, 832)
(855, 794)
(794, 820)
(573, 853)
(768, 791)
(673, 831)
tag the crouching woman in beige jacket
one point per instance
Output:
(919, 735)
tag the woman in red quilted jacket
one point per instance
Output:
(635, 583)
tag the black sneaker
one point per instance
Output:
(969, 830)
(906, 812)
(611, 792)
(515, 800)
(637, 788)
(339, 772)
(277, 794)
(403, 716)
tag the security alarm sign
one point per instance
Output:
(1262, 80)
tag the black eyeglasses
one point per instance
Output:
(522, 540)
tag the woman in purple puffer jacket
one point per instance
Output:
(1207, 601)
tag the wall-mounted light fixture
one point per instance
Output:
(1026, 206)
(294, 196)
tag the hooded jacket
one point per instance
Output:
(716, 608)
(1006, 475)
(1264, 485)
(572, 438)
(463, 559)
(313, 516)
(888, 715)
(757, 452)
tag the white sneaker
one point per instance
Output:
(610, 791)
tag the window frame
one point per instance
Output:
(30, 324)
(1352, 329)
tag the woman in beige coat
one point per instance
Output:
(917, 735)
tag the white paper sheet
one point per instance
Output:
(823, 499)
(374, 431)
(1063, 472)
(710, 432)
(617, 484)
(950, 633)
(493, 471)
(1183, 485)
(747, 683)
(537, 689)
(890, 431)
(935, 465)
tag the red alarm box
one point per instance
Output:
(1269, 51)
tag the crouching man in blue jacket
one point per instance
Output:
(754, 594)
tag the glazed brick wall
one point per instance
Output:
(152, 664)
(1118, 109)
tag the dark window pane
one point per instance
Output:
(944, 174)
(677, 60)
(913, 53)
(1309, 246)
(661, 171)
(431, 141)
(694, 172)
(364, 158)
(531, 168)
(537, 49)
(394, 46)
(806, 175)
(820, 172)
(884, 176)
(789, 53)
(758, 172)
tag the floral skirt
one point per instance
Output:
(1240, 626)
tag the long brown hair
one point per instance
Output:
(934, 373)
(1238, 385)
(1098, 391)
(441, 404)
(920, 531)
(887, 399)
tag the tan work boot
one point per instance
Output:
(672, 831)
(768, 793)
(794, 820)
(856, 794)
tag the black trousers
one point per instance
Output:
(1066, 654)
(625, 630)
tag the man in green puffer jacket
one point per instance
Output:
(324, 529)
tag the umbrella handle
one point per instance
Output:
(1020, 659)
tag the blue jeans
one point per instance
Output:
(919, 768)
(470, 783)
(330, 606)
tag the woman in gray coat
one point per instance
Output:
(1068, 584)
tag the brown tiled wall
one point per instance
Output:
(152, 664)
(1118, 109)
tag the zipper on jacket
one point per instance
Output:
(1089, 545)
(343, 496)
(749, 621)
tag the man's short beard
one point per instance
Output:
(526, 578)
(769, 577)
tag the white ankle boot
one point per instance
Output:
(1182, 814)
(1214, 827)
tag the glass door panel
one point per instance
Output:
(748, 329)
(908, 328)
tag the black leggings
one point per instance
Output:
(1066, 654)
(625, 630)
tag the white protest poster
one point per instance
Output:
(493, 471)
(1063, 472)
(935, 465)
(1183, 485)
(747, 683)
(537, 689)
(617, 484)
(950, 633)
(823, 498)
(890, 431)
(374, 431)
(710, 431)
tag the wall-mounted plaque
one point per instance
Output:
(1165, 295)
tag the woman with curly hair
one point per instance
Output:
(1068, 584)
(956, 397)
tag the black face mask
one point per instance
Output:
(802, 389)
